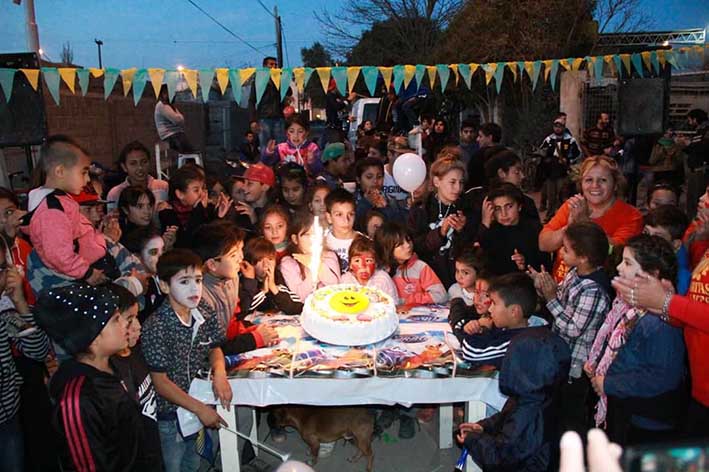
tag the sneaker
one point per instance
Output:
(326, 449)
(407, 427)
(278, 435)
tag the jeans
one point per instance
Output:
(12, 451)
(271, 128)
(179, 454)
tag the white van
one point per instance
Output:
(362, 110)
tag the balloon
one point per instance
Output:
(294, 466)
(409, 171)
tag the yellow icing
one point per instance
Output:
(349, 302)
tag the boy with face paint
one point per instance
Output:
(147, 243)
(180, 339)
(364, 269)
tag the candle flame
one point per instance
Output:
(316, 243)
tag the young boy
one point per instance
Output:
(340, 212)
(524, 435)
(336, 162)
(513, 299)
(259, 179)
(180, 340)
(578, 307)
(670, 223)
(99, 424)
(188, 207)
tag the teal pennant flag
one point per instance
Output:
(371, 75)
(655, 61)
(109, 80)
(206, 76)
(83, 75)
(499, 75)
(398, 79)
(598, 67)
(340, 75)
(235, 82)
(419, 74)
(521, 68)
(637, 63)
(308, 71)
(286, 79)
(171, 78)
(139, 80)
(464, 70)
(671, 59)
(444, 73)
(618, 64)
(554, 72)
(263, 75)
(7, 78)
(536, 68)
(51, 78)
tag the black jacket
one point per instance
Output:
(499, 243)
(99, 424)
(253, 297)
(524, 435)
(269, 106)
(185, 234)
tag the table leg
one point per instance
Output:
(228, 441)
(474, 411)
(253, 434)
(445, 426)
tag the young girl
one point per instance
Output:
(373, 220)
(295, 266)
(363, 269)
(296, 149)
(476, 318)
(467, 266)
(147, 244)
(292, 186)
(137, 209)
(636, 364)
(416, 282)
(316, 202)
(504, 166)
(369, 194)
(274, 227)
(441, 226)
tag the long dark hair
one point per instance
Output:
(301, 222)
(390, 235)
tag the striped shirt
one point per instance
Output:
(488, 348)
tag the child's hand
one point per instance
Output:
(458, 221)
(244, 208)
(486, 323)
(472, 327)
(268, 334)
(465, 428)
(223, 205)
(169, 237)
(271, 146)
(110, 227)
(13, 222)
(518, 259)
(543, 282)
(97, 277)
(303, 259)
(160, 206)
(376, 198)
(597, 384)
(13, 288)
(589, 369)
(445, 226)
(209, 417)
(222, 389)
(488, 212)
(247, 270)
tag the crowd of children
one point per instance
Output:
(190, 258)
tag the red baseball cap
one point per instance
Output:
(260, 173)
(88, 196)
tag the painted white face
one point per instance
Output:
(186, 287)
(151, 252)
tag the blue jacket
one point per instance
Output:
(524, 435)
(684, 271)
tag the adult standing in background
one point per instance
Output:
(489, 137)
(268, 111)
(697, 150)
(170, 124)
(598, 138)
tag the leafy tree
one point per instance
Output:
(67, 54)
(316, 56)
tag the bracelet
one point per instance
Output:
(665, 315)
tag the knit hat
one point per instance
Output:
(260, 173)
(74, 315)
(333, 151)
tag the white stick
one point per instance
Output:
(283, 457)
(316, 244)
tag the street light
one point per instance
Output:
(99, 43)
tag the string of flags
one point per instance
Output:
(642, 63)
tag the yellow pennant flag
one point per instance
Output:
(191, 78)
(565, 64)
(352, 75)
(454, 68)
(473, 68)
(96, 73)
(68, 75)
(608, 58)
(646, 59)
(626, 62)
(409, 72)
(222, 78)
(299, 74)
(276, 78)
(576, 63)
(512, 66)
(661, 57)
(32, 77)
(244, 74)
(529, 67)
(431, 75)
(489, 72)
(324, 74)
(386, 75)
(547, 69)
(156, 76)
(127, 79)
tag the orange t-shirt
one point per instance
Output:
(621, 222)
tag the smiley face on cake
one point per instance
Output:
(349, 302)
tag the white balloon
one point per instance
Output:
(294, 466)
(409, 171)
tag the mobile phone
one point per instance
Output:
(680, 456)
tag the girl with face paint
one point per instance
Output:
(364, 268)
(148, 245)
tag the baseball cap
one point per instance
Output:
(88, 196)
(333, 151)
(260, 173)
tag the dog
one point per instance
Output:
(327, 424)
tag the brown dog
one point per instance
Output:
(327, 424)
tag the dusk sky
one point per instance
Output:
(165, 33)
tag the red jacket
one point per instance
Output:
(693, 316)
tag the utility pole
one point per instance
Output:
(99, 43)
(279, 37)
(32, 31)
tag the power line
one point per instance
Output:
(285, 43)
(265, 7)
(224, 27)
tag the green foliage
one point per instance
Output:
(316, 56)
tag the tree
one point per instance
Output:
(67, 53)
(384, 45)
(316, 56)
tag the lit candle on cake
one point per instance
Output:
(316, 251)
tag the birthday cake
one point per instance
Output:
(349, 315)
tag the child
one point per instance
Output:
(578, 307)
(510, 242)
(258, 182)
(129, 366)
(274, 227)
(662, 194)
(369, 173)
(296, 149)
(670, 223)
(262, 282)
(148, 245)
(295, 266)
(512, 302)
(476, 318)
(292, 185)
(364, 268)
(340, 212)
(99, 424)
(504, 166)
(372, 221)
(524, 435)
(316, 202)
(137, 210)
(179, 340)
(416, 282)
(134, 160)
(467, 267)
(18, 248)
(337, 163)
(249, 150)
(636, 363)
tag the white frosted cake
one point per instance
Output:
(349, 315)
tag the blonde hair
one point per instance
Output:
(607, 163)
(443, 165)
(452, 152)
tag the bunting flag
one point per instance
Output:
(512, 66)
(371, 75)
(499, 75)
(520, 66)
(245, 74)
(110, 77)
(127, 79)
(398, 78)
(7, 78)
(465, 72)
(409, 72)
(661, 57)
(263, 75)
(275, 77)
(626, 62)
(171, 78)
(431, 70)
(51, 78)
(156, 76)
(547, 69)
(444, 74)
(32, 76)
(576, 63)
(671, 59)
(554, 72)
(655, 62)
(420, 74)
(97, 73)
(489, 72)
(352, 75)
(222, 79)
(140, 79)
(339, 73)
(645, 55)
(387, 73)
(235, 81)
(190, 76)
(536, 68)
(454, 68)
(324, 75)
(68, 75)
(299, 76)
(618, 65)
(206, 76)
(637, 63)
(286, 78)
(83, 75)
(598, 68)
